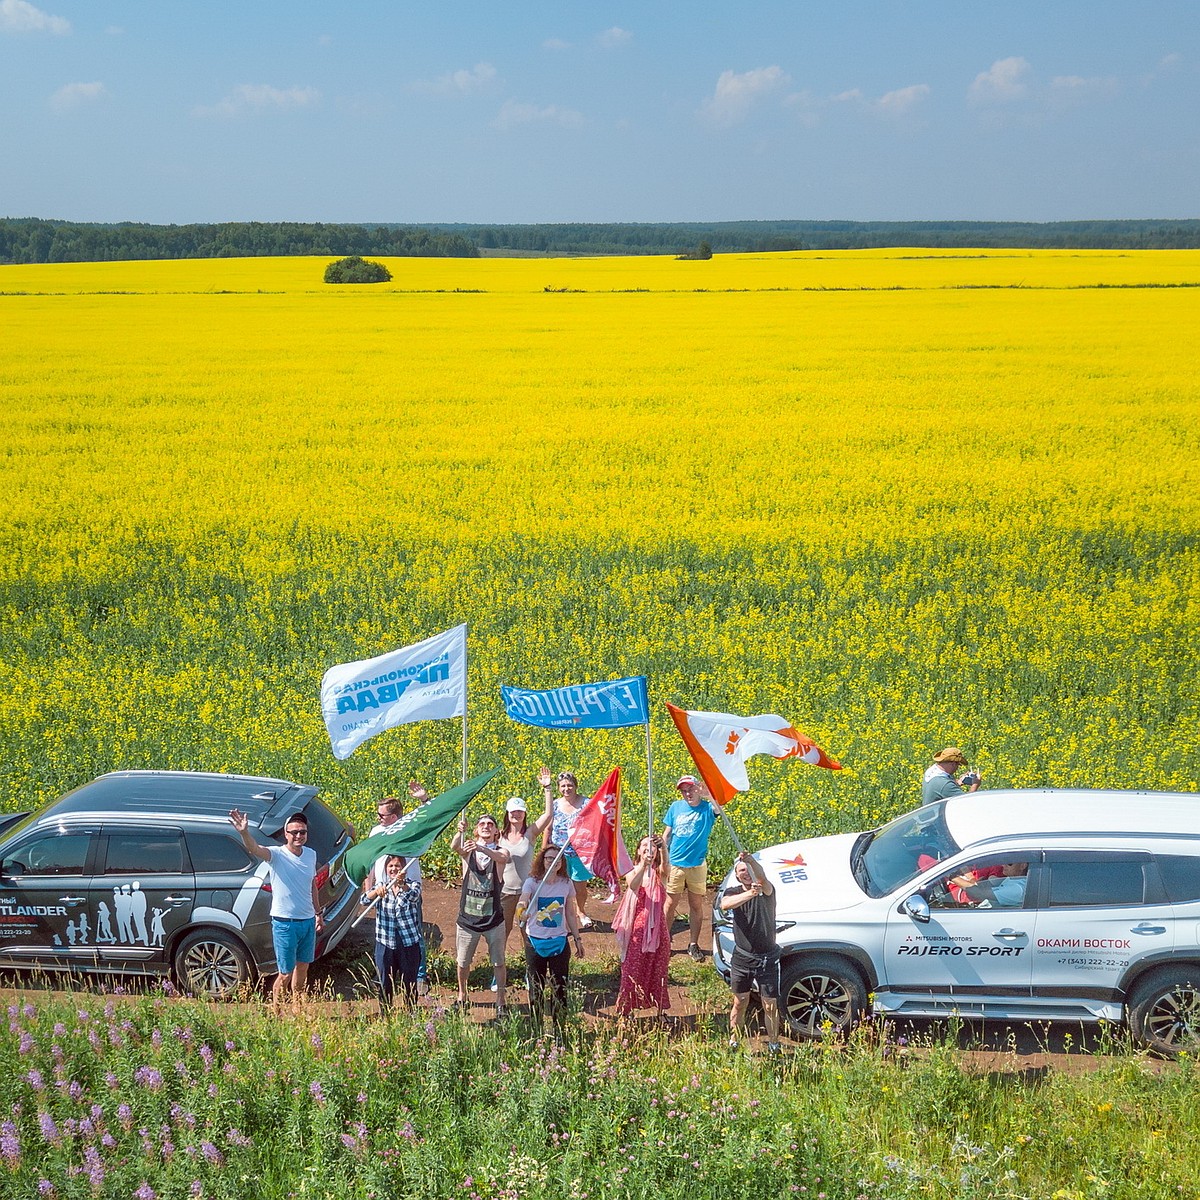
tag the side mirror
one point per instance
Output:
(12, 868)
(917, 907)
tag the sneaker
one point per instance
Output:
(422, 987)
(733, 1041)
(773, 1048)
(695, 953)
(492, 986)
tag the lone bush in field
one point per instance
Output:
(356, 270)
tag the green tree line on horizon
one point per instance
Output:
(35, 240)
(32, 240)
(727, 237)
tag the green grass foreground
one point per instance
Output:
(156, 1096)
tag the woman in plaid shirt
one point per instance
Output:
(397, 932)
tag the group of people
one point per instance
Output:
(507, 881)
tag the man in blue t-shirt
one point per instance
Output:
(687, 825)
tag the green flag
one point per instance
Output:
(416, 831)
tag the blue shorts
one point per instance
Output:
(295, 941)
(576, 871)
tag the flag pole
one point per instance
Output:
(732, 832)
(464, 729)
(649, 784)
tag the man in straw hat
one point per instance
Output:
(940, 782)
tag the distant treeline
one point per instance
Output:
(30, 240)
(756, 236)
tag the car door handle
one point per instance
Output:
(1010, 934)
(176, 901)
(1144, 928)
(72, 899)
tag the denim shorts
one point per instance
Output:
(295, 941)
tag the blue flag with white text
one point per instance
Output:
(614, 704)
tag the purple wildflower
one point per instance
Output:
(235, 1137)
(211, 1153)
(27, 1042)
(49, 1130)
(315, 1091)
(145, 1192)
(95, 1167)
(197, 1187)
(148, 1077)
(45, 1187)
(10, 1145)
(207, 1055)
(35, 1080)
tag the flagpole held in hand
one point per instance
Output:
(732, 832)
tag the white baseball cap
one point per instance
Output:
(516, 804)
(687, 779)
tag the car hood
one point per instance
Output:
(812, 875)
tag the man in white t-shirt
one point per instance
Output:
(296, 916)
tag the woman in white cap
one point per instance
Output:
(517, 838)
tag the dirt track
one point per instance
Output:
(344, 981)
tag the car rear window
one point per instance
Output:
(1180, 876)
(325, 829)
(1084, 884)
(216, 852)
(137, 852)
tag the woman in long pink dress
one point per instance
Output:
(644, 944)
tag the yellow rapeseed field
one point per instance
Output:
(904, 498)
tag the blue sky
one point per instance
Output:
(168, 111)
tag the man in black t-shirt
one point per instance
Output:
(751, 905)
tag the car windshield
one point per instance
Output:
(889, 857)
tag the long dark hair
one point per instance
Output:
(508, 821)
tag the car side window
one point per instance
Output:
(53, 854)
(217, 852)
(134, 852)
(1180, 876)
(1088, 884)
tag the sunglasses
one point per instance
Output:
(296, 832)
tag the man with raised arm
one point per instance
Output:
(296, 916)
(751, 905)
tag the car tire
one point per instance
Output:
(1164, 1010)
(212, 964)
(820, 995)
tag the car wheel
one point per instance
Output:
(1164, 1010)
(820, 994)
(212, 964)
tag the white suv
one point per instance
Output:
(1104, 927)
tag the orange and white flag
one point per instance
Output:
(720, 743)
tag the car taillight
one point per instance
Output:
(322, 877)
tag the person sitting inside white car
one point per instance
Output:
(1006, 891)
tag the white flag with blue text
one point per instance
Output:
(425, 682)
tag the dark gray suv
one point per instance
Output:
(141, 873)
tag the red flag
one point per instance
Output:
(596, 835)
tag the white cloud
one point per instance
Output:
(1075, 88)
(616, 36)
(736, 93)
(75, 94)
(18, 16)
(259, 98)
(459, 83)
(898, 103)
(1002, 83)
(555, 44)
(902, 100)
(513, 113)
